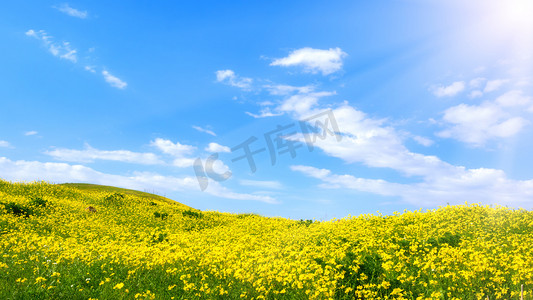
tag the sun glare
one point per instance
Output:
(513, 19)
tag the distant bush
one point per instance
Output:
(192, 214)
(158, 238)
(115, 198)
(38, 201)
(153, 203)
(242, 216)
(18, 209)
(305, 222)
(160, 215)
(452, 240)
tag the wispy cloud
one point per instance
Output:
(477, 82)
(263, 113)
(297, 101)
(61, 50)
(313, 60)
(475, 94)
(494, 85)
(374, 144)
(67, 9)
(449, 90)
(113, 80)
(65, 51)
(90, 69)
(4, 144)
(263, 184)
(214, 147)
(204, 130)
(284, 89)
(218, 190)
(423, 141)
(90, 154)
(22, 170)
(32, 132)
(229, 77)
(487, 185)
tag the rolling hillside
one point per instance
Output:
(135, 245)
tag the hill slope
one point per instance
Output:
(138, 246)
(111, 189)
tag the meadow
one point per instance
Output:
(143, 246)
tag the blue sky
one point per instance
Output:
(431, 99)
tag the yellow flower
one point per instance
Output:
(39, 279)
(118, 286)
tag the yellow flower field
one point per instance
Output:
(137, 247)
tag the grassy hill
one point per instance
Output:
(111, 189)
(143, 246)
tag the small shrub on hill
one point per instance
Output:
(160, 215)
(18, 209)
(192, 214)
(38, 201)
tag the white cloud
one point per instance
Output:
(494, 85)
(29, 133)
(298, 104)
(90, 154)
(423, 141)
(375, 144)
(204, 130)
(312, 171)
(476, 124)
(178, 151)
(61, 50)
(90, 69)
(113, 80)
(66, 9)
(216, 189)
(229, 77)
(313, 60)
(4, 144)
(283, 89)
(450, 90)
(263, 184)
(475, 94)
(62, 172)
(301, 104)
(214, 147)
(370, 142)
(32, 33)
(477, 82)
(69, 54)
(65, 51)
(513, 98)
(376, 186)
(489, 186)
(183, 162)
(264, 113)
(174, 149)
